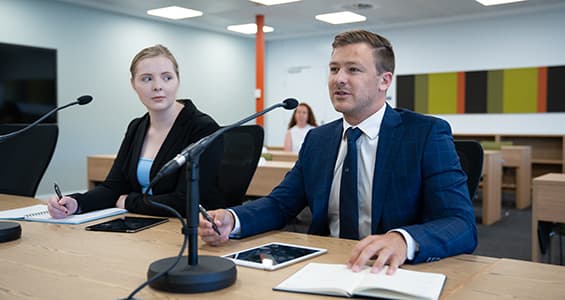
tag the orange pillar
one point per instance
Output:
(259, 67)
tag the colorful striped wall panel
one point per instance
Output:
(523, 90)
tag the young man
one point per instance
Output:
(401, 191)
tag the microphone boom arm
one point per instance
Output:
(81, 100)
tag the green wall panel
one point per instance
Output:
(494, 91)
(421, 93)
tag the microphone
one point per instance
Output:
(82, 100)
(196, 148)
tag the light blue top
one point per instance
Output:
(143, 169)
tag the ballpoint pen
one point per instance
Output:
(209, 219)
(57, 191)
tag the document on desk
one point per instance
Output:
(338, 280)
(39, 213)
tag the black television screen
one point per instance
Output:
(28, 83)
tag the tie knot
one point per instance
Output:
(353, 134)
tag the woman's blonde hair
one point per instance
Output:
(153, 51)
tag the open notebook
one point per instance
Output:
(39, 213)
(338, 280)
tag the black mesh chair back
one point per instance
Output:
(471, 158)
(25, 157)
(242, 150)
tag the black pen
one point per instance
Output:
(209, 219)
(57, 191)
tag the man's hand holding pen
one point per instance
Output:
(224, 221)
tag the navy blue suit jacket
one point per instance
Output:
(418, 186)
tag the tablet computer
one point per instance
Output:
(273, 256)
(127, 224)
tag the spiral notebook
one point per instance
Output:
(39, 213)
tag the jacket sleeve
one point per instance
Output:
(448, 221)
(106, 194)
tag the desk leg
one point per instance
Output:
(492, 189)
(535, 238)
(523, 187)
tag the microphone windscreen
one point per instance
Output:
(82, 100)
(290, 103)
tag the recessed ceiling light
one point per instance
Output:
(174, 12)
(250, 28)
(273, 2)
(341, 17)
(497, 2)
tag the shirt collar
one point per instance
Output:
(370, 126)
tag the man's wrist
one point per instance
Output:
(411, 245)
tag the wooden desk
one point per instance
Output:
(53, 261)
(519, 158)
(515, 279)
(548, 204)
(277, 155)
(268, 176)
(491, 186)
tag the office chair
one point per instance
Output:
(547, 231)
(471, 158)
(25, 157)
(242, 150)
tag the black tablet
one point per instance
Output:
(273, 256)
(127, 224)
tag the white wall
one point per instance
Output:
(521, 40)
(94, 50)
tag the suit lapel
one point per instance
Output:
(390, 137)
(327, 155)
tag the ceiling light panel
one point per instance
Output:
(273, 2)
(341, 17)
(497, 2)
(250, 28)
(174, 12)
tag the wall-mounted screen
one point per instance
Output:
(28, 83)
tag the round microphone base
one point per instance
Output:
(10, 231)
(210, 274)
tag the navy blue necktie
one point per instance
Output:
(348, 199)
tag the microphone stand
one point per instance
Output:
(200, 273)
(196, 273)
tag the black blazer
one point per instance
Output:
(190, 126)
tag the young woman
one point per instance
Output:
(151, 141)
(300, 123)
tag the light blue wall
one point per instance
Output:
(529, 39)
(217, 71)
(94, 50)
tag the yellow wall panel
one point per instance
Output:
(520, 90)
(442, 93)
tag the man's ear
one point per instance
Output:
(385, 81)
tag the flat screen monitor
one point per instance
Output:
(28, 83)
